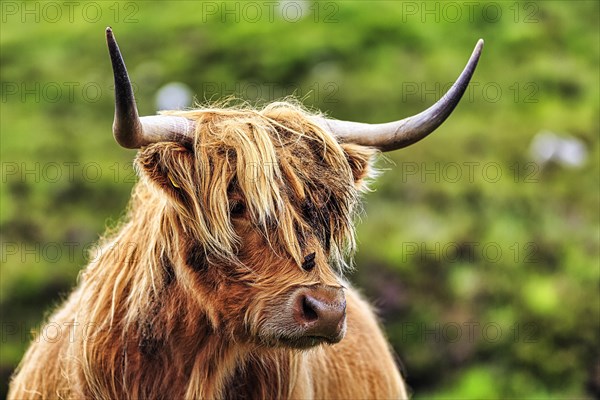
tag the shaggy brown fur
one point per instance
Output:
(188, 298)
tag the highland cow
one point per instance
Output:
(225, 280)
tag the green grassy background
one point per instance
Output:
(487, 285)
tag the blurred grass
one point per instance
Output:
(542, 290)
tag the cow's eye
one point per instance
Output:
(309, 262)
(237, 208)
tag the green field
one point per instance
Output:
(482, 259)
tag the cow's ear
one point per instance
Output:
(361, 161)
(167, 165)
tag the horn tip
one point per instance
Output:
(479, 45)
(110, 37)
(477, 51)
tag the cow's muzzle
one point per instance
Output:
(320, 315)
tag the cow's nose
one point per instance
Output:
(321, 311)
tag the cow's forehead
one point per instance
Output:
(280, 144)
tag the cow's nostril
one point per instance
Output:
(308, 311)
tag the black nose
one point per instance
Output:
(321, 312)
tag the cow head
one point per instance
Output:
(264, 200)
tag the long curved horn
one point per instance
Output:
(129, 130)
(398, 134)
